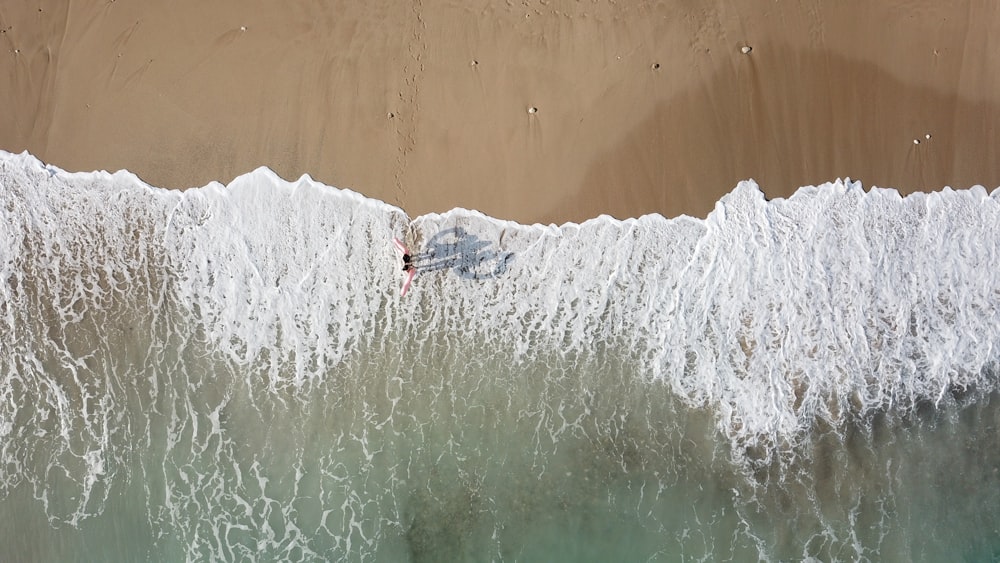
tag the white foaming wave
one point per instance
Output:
(546, 287)
(775, 314)
(293, 270)
(835, 302)
(75, 251)
(827, 306)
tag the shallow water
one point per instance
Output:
(229, 373)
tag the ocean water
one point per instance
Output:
(229, 373)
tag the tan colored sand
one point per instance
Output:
(641, 106)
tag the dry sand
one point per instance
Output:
(641, 107)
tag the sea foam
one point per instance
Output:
(778, 316)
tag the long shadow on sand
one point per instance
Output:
(466, 254)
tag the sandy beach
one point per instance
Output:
(533, 111)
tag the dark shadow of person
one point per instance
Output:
(466, 254)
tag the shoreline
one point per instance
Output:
(533, 113)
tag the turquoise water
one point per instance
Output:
(230, 374)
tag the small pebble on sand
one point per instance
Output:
(532, 109)
(746, 49)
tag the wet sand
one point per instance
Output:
(532, 111)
